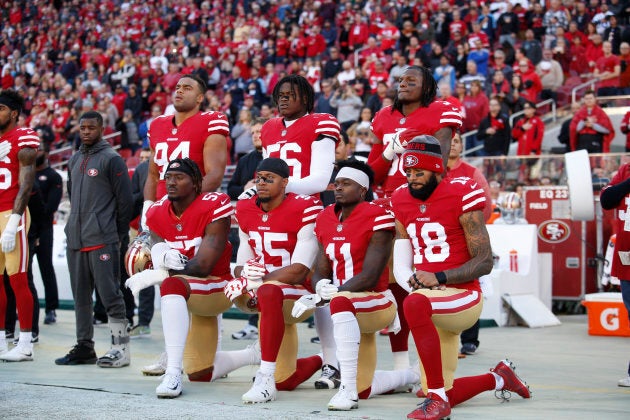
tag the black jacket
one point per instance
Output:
(245, 170)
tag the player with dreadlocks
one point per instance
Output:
(191, 261)
(415, 112)
(306, 141)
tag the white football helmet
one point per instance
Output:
(511, 206)
(138, 255)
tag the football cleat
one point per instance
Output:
(330, 379)
(158, 368)
(432, 408)
(17, 354)
(511, 382)
(344, 400)
(263, 390)
(171, 387)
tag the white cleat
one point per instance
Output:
(171, 387)
(263, 390)
(344, 400)
(17, 354)
(156, 369)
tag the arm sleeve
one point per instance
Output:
(306, 247)
(245, 252)
(322, 165)
(612, 196)
(403, 261)
(600, 128)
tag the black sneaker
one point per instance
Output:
(468, 348)
(51, 317)
(330, 379)
(79, 355)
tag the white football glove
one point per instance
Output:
(325, 289)
(5, 148)
(235, 288)
(144, 279)
(143, 218)
(167, 258)
(248, 193)
(305, 303)
(395, 147)
(9, 233)
(253, 270)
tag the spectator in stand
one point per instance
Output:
(556, 15)
(408, 31)
(375, 101)
(457, 25)
(322, 104)
(531, 82)
(460, 61)
(375, 73)
(346, 74)
(507, 25)
(591, 128)
(315, 43)
(236, 86)
(241, 135)
(624, 62)
(607, 70)
(625, 129)
(143, 129)
(472, 75)
(133, 102)
(529, 132)
(388, 37)
(129, 138)
(329, 32)
(515, 100)
(399, 67)
(478, 34)
(614, 34)
(358, 34)
(480, 55)
(348, 105)
(333, 64)
(500, 89)
(594, 51)
(476, 106)
(445, 72)
(344, 38)
(579, 63)
(551, 76)
(533, 48)
(494, 131)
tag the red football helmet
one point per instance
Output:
(138, 255)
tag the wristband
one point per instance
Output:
(441, 277)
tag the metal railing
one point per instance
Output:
(582, 86)
(63, 151)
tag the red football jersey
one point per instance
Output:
(346, 243)
(273, 235)
(20, 138)
(293, 143)
(621, 226)
(387, 122)
(186, 141)
(185, 233)
(433, 226)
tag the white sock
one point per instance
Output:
(175, 323)
(220, 330)
(227, 361)
(267, 368)
(401, 360)
(441, 392)
(347, 336)
(25, 341)
(500, 382)
(324, 328)
(387, 380)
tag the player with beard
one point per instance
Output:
(442, 248)
(189, 133)
(191, 261)
(355, 241)
(415, 111)
(18, 148)
(277, 249)
(306, 141)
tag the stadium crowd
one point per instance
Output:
(123, 58)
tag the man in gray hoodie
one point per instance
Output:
(100, 209)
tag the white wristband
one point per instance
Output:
(14, 221)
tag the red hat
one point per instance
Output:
(423, 152)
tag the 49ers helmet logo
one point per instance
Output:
(410, 160)
(92, 172)
(554, 231)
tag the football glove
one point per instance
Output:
(235, 288)
(248, 193)
(395, 147)
(9, 233)
(253, 270)
(167, 258)
(325, 289)
(305, 303)
(144, 279)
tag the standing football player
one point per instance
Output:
(306, 141)
(355, 240)
(442, 248)
(277, 249)
(415, 111)
(191, 261)
(18, 149)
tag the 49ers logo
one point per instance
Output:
(410, 161)
(92, 172)
(554, 231)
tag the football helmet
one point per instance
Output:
(138, 255)
(511, 206)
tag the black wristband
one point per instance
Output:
(441, 277)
